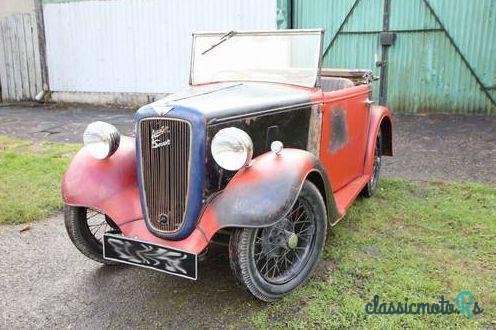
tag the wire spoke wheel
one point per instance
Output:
(270, 262)
(281, 250)
(373, 183)
(98, 224)
(86, 228)
(377, 160)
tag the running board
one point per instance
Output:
(345, 196)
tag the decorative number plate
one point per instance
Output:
(148, 255)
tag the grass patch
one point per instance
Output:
(30, 178)
(413, 240)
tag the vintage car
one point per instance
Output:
(264, 150)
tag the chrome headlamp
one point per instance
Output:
(101, 139)
(232, 148)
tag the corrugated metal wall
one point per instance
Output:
(137, 45)
(441, 61)
(20, 71)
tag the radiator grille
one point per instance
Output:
(165, 151)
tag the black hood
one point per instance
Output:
(226, 100)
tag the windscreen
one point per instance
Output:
(290, 57)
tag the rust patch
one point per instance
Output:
(339, 130)
(314, 130)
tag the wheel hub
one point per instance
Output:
(282, 249)
(279, 238)
(292, 241)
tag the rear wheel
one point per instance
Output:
(270, 262)
(86, 228)
(372, 185)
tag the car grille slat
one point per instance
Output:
(165, 171)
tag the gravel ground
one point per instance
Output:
(443, 147)
(46, 282)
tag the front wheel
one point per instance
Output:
(270, 262)
(86, 228)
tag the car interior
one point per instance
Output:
(336, 79)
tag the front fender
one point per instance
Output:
(264, 192)
(108, 185)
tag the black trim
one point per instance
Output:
(290, 127)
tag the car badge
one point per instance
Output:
(157, 141)
(163, 218)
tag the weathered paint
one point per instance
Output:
(20, 64)
(442, 59)
(98, 184)
(140, 46)
(342, 161)
(272, 182)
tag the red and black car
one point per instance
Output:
(264, 147)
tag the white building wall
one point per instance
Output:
(137, 46)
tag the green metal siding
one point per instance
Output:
(411, 15)
(366, 45)
(366, 17)
(431, 79)
(441, 61)
(320, 14)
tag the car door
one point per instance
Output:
(344, 131)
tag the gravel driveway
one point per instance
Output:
(46, 282)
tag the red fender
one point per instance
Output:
(264, 192)
(108, 185)
(380, 118)
(272, 183)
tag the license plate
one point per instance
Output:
(148, 255)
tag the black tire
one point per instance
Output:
(86, 240)
(371, 187)
(246, 243)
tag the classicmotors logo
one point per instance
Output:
(464, 304)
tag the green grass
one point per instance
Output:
(413, 240)
(30, 175)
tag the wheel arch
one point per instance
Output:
(380, 120)
(262, 194)
(321, 181)
(108, 185)
(386, 128)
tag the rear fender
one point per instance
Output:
(380, 119)
(108, 186)
(263, 193)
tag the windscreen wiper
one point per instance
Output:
(221, 40)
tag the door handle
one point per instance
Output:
(369, 102)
